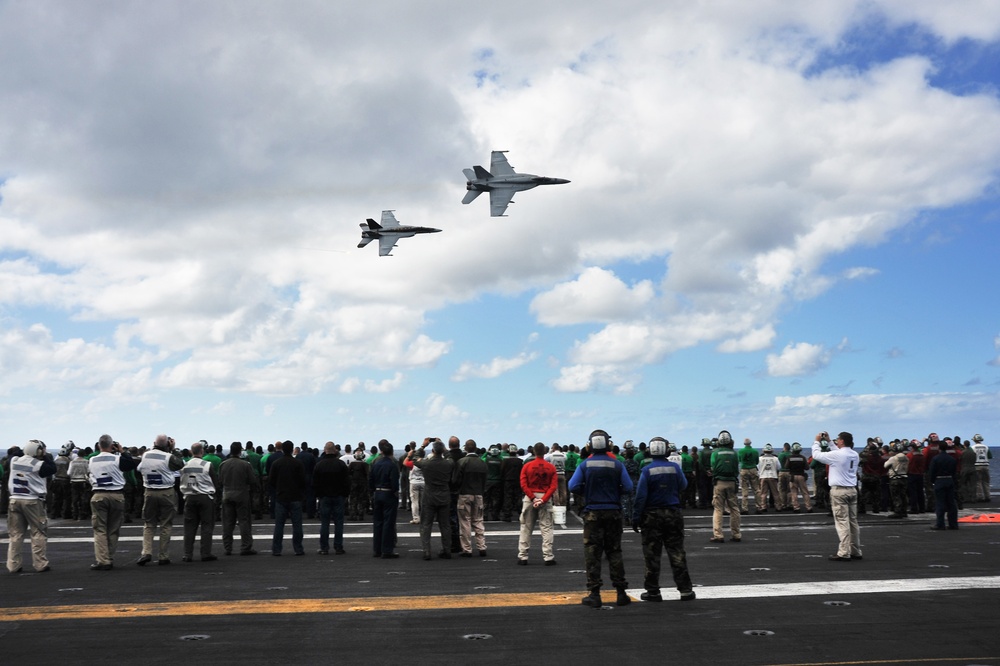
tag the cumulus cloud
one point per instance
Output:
(182, 184)
(798, 359)
(754, 340)
(597, 295)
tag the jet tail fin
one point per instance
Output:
(372, 224)
(471, 195)
(470, 175)
(482, 174)
(365, 241)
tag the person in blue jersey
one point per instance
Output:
(657, 513)
(602, 480)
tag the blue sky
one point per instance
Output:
(782, 219)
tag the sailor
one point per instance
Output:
(602, 480)
(798, 465)
(159, 508)
(983, 457)
(26, 509)
(107, 505)
(767, 471)
(658, 513)
(749, 478)
(897, 465)
(59, 495)
(724, 472)
(198, 484)
(239, 485)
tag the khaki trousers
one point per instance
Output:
(158, 511)
(107, 512)
(470, 520)
(25, 515)
(529, 516)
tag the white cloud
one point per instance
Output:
(798, 359)
(860, 273)
(386, 385)
(597, 295)
(31, 357)
(438, 409)
(494, 368)
(754, 340)
(876, 408)
(183, 184)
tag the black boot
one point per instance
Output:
(593, 599)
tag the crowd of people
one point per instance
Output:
(460, 487)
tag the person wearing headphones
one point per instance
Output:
(725, 471)
(658, 513)
(26, 510)
(602, 480)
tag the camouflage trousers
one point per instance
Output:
(664, 529)
(900, 500)
(870, 494)
(358, 503)
(602, 536)
(749, 480)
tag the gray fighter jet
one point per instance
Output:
(389, 232)
(501, 182)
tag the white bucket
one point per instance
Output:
(559, 515)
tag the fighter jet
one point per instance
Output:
(389, 232)
(501, 182)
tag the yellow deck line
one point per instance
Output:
(255, 607)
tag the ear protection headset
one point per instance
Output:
(657, 447)
(599, 440)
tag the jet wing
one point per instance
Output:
(499, 200)
(385, 244)
(499, 165)
(389, 220)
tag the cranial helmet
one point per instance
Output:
(768, 448)
(657, 447)
(599, 440)
(672, 447)
(35, 448)
(359, 455)
(629, 444)
(725, 439)
(796, 447)
(67, 448)
(977, 438)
